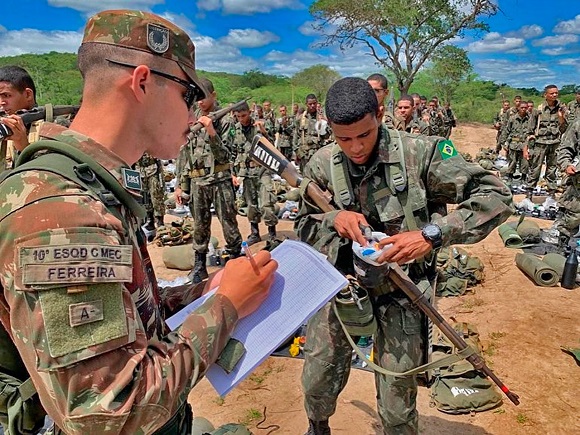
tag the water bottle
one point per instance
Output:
(570, 269)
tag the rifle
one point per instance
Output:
(214, 116)
(267, 155)
(36, 114)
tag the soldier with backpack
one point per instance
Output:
(79, 298)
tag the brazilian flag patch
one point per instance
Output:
(232, 131)
(446, 149)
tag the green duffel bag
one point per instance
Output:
(459, 388)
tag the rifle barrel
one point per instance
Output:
(214, 116)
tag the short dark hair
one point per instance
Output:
(518, 96)
(349, 100)
(423, 97)
(243, 107)
(207, 84)
(379, 78)
(530, 101)
(406, 98)
(17, 77)
(416, 95)
(311, 97)
(550, 87)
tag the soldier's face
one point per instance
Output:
(11, 99)
(578, 98)
(523, 109)
(267, 106)
(311, 105)
(380, 92)
(530, 107)
(244, 118)
(405, 109)
(357, 140)
(282, 111)
(551, 94)
(506, 105)
(207, 104)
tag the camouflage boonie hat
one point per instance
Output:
(144, 31)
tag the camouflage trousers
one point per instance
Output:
(539, 153)
(398, 347)
(156, 190)
(568, 221)
(260, 197)
(223, 197)
(514, 158)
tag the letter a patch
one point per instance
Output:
(86, 312)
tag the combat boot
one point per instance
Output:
(159, 221)
(150, 223)
(272, 232)
(199, 271)
(254, 236)
(318, 428)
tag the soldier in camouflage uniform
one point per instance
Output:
(568, 220)
(408, 123)
(92, 332)
(380, 85)
(285, 129)
(574, 109)
(307, 138)
(516, 134)
(449, 120)
(153, 189)
(499, 123)
(207, 178)
(365, 153)
(268, 113)
(436, 118)
(258, 188)
(547, 126)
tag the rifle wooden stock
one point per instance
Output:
(214, 116)
(267, 155)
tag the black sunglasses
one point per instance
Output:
(192, 94)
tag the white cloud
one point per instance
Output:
(247, 7)
(526, 32)
(180, 20)
(570, 26)
(494, 42)
(15, 42)
(557, 51)
(2, 28)
(90, 6)
(307, 29)
(556, 41)
(249, 38)
(516, 73)
(213, 55)
(569, 62)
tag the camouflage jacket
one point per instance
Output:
(244, 166)
(436, 122)
(206, 160)
(416, 126)
(516, 132)
(148, 166)
(573, 111)
(569, 149)
(285, 130)
(435, 172)
(545, 124)
(81, 300)
(501, 118)
(306, 138)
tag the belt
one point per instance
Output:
(197, 173)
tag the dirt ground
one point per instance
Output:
(522, 327)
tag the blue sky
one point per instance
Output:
(531, 42)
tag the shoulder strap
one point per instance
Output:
(341, 184)
(84, 168)
(396, 177)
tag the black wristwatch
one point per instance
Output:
(432, 233)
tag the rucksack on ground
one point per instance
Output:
(459, 388)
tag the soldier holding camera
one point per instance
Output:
(17, 92)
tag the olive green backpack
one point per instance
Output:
(20, 409)
(459, 388)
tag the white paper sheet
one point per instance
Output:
(304, 282)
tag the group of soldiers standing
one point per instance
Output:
(545, 135)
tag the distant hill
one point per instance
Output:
(59, 82)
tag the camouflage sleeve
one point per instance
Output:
(568, 149)
(505, 132)
(96, 350)
(483, 200)
(182, 168)
(312, 225)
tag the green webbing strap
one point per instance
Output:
(433, 365)
(108, 180)
(396, 178)
(340, 182)
(27, 389)
(48, 113)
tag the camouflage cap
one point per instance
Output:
(144, 31)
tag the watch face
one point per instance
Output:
(432, 231)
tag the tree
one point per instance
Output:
(319, 78)
(400, 34)
(450, 66)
